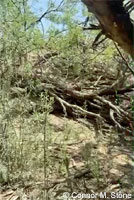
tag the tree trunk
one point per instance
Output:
(115, 21)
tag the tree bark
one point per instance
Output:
(115, 21)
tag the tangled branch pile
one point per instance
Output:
(100, 98)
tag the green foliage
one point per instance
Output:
(26, 137)
(16, 39)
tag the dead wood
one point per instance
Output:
(94, 104)
(114, 20)
(95, 101)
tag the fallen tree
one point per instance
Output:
(93, 103)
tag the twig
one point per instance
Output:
(126, 63)
(45, 13)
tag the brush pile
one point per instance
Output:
(101, 98)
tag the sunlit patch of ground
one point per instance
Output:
(71, 147)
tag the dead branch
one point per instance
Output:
(95, 102)
(115, 21)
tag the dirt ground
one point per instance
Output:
(80, 160)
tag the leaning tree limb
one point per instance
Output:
(115, 21)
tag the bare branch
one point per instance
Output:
(48, 11)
